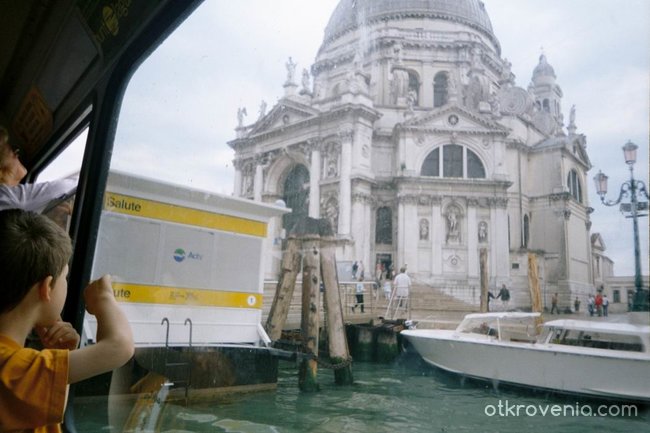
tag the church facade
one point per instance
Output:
(410, 136)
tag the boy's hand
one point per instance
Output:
(61, 335)
(97, 293)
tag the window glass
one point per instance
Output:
(296, 191)
(431, 165)
(474, 166)
(452, 160)
(440, 89)
(574, 186)
(384, 226)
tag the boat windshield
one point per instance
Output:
(503, 327)
(596, 339)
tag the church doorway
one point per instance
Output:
(385, 262)
(296, 196)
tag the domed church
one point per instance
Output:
(410, 136)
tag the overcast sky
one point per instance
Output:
(180, 108)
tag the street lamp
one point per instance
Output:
(630, 189)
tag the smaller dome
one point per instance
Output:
(543, 69)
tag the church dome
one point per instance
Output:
(543, 69)
(349, 14)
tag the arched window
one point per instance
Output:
(414, 88)
(454, 160)
(526, 231)
(296, 192)
(546, 106)
(474, 166)
(384, 226)
(431, 165)
(573, 182)
(440, 89)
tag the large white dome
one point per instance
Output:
(349, 14)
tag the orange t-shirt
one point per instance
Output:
(33, 387)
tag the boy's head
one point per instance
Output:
(32, 248)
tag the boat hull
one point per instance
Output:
(548, 366)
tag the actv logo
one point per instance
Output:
(180, 255)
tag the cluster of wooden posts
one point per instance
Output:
(310, 248)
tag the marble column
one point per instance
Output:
(345, 192)
(437, 233)
(258, 182)
(500, 262)
(411, 232)
(237, 192)
(401, 228)
(314, 182)
(472, 242)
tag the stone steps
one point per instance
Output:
(426, 301)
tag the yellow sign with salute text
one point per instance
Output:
(146, 294)
(136, 206)
(185, 255)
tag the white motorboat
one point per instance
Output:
(595, 358)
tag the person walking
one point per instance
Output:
(591, 305)
(401, 292)
(605, 305)
(599, 304)
(490, 295)
(504, 295)
(576, 305)
(359, 295)
(554, 304)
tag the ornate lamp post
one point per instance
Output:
(629, 190)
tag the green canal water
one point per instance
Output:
(407, 396)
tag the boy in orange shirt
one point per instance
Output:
(34, 255)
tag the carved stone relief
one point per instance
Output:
(453, 218)
(330, 210)
(482, 232)
(330, 160)
(424, 229)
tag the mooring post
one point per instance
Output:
(290, 267)
(308, 380)
(485, 302)
(533, 285)
(338, 344)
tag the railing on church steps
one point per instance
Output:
(374, 302)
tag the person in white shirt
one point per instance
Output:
(401, 289)
(35, 197)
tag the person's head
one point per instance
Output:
(402, 270)
(12, 170)
(34, 251)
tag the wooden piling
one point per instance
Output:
(533, 285)
(284, 291)
(308, 380)
(484, 279)
(338, 345)
(387, 346)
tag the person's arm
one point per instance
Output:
(114, 345)
(61, 335)
(35, 196)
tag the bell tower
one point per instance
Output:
(546, 92)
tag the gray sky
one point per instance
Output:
(180, 108)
